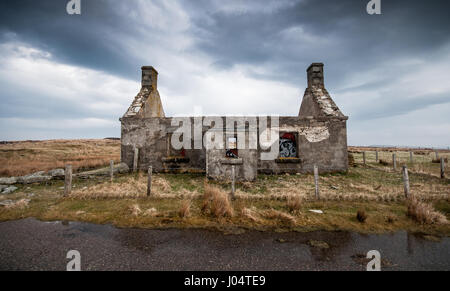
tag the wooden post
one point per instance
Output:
(316, 181)
(376, 156)
(111, 170)
(68, 180)
(411, 157)
(364, 158)
(394, 162)
(437, 155)
(442, 169)
(406, 181)
(149, 181)
(135, 159)
(233, 181)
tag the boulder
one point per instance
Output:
(120, 168)
(6, 202)
(2, 187)
(9, 190)
(37, 177)
(8, 181)
(21, 202)
(56, 173)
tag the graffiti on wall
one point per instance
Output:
(288, 146)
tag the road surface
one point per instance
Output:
(30, 244)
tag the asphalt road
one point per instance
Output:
(33, 245)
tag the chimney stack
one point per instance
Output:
(149, 77)
(315, 75)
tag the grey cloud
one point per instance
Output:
(393, 105)
(271, 40)
(356, 40)
(91, 39)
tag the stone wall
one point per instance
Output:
(321, 141)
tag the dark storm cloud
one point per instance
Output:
(357, 41)
(91, 39)
(372, 63)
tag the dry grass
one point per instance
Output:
(185, 209)
(21, 158)
(257, 216)
(360, 184)
(424, 212)
(271, 201)
(129, 187)
(151, 212)
(424, 160)
(20, 204)
(135, 210)
(294, 203)
(216, 202)
(251, 214)
(279, 215)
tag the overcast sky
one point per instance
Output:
(74, 76)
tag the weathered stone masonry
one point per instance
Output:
(318, 135)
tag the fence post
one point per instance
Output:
(442, 168)
(68, 180)
(411, 157)
(316, 181)
(406, 181)
(437, 155)
(376, 156)
(364, 158)
(111, 170)
(149, 181)
(135, 159)
(233, 181)
(394, 162)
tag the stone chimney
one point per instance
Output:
(315, 75)
(149, 77)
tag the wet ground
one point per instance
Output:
(33, 245)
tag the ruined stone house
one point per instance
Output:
(317, 136)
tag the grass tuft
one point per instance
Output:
(279, 215)
(216, 202)
(294, 203)
(135, 210)
(424, 212)
(251, 214)
(185, 209)
(152, 212)
(361, 216)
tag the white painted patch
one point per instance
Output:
(316, 134)
(312, 134)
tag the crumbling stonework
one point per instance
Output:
(147, 103)
(317, 101)
(317, 136)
